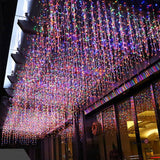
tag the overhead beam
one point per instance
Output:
(27, 26)
(9, 91)
(18, 58)
(13, 79)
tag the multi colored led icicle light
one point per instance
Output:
(81, 49)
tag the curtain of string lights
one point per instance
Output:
(81, 49)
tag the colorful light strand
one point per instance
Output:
(81, 50)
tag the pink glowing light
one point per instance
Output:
(80, 51)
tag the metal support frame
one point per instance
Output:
(49, 146)
(54, 148)
(66, 148)
(156, 107)
(77, 155)
(118, 132)
(103, 132)
(59, 147)
(138, 139)
(82, 121)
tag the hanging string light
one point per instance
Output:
(81, 50)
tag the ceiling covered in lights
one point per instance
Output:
(82, 49)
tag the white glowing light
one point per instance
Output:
(16, 37)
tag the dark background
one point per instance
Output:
(7, 13)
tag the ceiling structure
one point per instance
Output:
(81, 49)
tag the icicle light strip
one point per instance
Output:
(81, 50)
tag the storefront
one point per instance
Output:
(127, 129)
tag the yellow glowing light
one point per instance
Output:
(150, 132)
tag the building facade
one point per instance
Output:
(126, 128)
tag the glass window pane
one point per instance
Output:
(46, 149)
(69, 149)
(127, 130)
(51, 147)
(110, 132)
(100, 136)
(63, 148)
(95, 139)
(66, 143)
(58, 149)
(157, 92)
(147, 125)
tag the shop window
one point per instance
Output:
(51, 146)
(58, 147)
(65, 144)
(109, 121)
(63, 148)
(157, 92)
(127, 130)
(94, 138)
(69, 145)
(70, 149)
(46, 149)
(147, 125)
